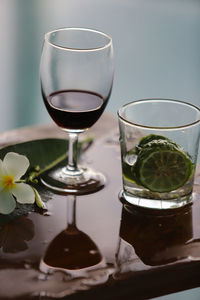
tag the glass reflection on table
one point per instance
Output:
(72, 250)
(149, 238)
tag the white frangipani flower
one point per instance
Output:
(12, 168)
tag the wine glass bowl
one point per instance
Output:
(76, 74)
(72, 250)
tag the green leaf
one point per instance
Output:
(39, 152)
(44, 152)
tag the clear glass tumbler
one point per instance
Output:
(159, 140)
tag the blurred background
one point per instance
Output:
(156, 46)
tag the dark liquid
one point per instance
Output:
(72, 249)
(74, 109)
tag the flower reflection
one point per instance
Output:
(15, 234)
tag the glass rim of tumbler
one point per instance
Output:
(175, 101)
(77, 49)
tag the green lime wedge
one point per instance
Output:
(164, 167)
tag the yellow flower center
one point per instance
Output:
(8, 181)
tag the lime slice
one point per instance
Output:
(159, 164)
(150, 138)
(163, 167)
(129, 173)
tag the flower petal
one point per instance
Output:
(2, 169)
(7, 202)
(15, 164)
(23, 193)
(2, 173)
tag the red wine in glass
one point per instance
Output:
(74, 109)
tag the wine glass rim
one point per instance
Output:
(108, 44)
(119, 113)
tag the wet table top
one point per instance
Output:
(111, 251)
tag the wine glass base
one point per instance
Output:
(89, 181)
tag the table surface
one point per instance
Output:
(113, 250)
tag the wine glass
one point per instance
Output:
(72, 250)
(76, 74)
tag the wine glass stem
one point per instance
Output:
(72, 166)
(71, 211)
